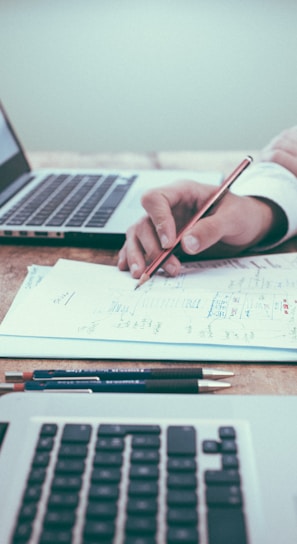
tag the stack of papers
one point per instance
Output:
(242, 309)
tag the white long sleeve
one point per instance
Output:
(272, 181)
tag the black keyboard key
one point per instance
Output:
(182, 516)
(99, 531)
(67, 483)
(79, 434)
(108, 459)
(111, 430)
(41, 459)
(230, 460)
(227, 433)
(181, 481)
(217, 477)
(144, 472)
(143, 489)
(28, 511)
(226, 526)
(186, 535)
(48, 429)
(104, 492)
(101, 510)
(181, 464)
(142, 505)
(146, 441)
(145, 456)
(22, 532)
(45, 443)
(122, 430)
(224, 496)
(107, 474)
(181, 497)
(50, 536)
(70, 466)
(211, 446)
(32, 493)
(143, 429)
(74, 451)
(59, 518)
(181, 440)
(141, 525)
(36, 476)
(62, 499)
(140, 539)
(228, 446)
(115, 444)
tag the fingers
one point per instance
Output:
(141, 247)
(228, 226)
(204, 235)
(168, 209)
(283, 150)
(158, 205)
(209, 230)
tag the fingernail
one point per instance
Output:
(164, 240)
(191, 243)
(171, 269)
(134, 268)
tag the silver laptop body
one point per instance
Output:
(75, 207)
(225, 468)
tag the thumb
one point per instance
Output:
(205, 234)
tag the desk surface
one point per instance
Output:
(14, 259)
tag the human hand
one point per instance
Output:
(228, 230)
(283, 150)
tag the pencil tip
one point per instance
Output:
(143, 278)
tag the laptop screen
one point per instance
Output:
(13, 162)
(9, 147)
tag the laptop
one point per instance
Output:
(75, 207)
(149, 469)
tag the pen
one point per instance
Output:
(137, 386)
(118, 374)
(214, 199)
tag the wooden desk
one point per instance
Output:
(14, 260)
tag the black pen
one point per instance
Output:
(119, 374)
(136, 386)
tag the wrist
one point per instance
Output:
(274, 223)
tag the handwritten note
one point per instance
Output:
(248, 302)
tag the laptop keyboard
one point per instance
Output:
(71, 201)
(133, 484)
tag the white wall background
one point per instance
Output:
(144, 75)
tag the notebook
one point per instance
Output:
(90, 207)
(112, 468)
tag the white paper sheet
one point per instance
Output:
(236, 309)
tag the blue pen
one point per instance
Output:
(118, 374)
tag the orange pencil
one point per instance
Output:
(214, 199)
